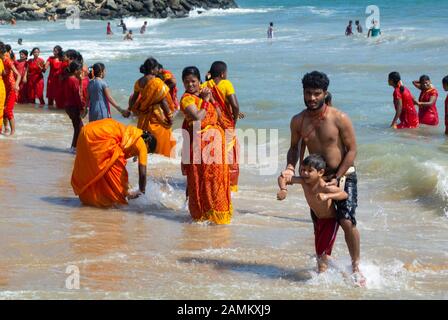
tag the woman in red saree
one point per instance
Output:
(35, 78)
(12, 88)
(208, 186)
(53, 83)
(21, 66)
(151, 102)
(427, 102)
(404, 104)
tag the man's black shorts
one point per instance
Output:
(346, 209)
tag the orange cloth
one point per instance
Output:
(207, 182)
(227, 122)
(99, 175)
(151, 116)
(166, 77)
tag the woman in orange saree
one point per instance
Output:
(208, 187)
(99, 175)
(152, 103)
(227, 122)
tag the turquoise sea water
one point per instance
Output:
(403, 184)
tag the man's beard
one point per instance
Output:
(320, 105)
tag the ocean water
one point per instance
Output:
(150, 249)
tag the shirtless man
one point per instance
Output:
(330, 133)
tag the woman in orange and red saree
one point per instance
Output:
(427, 102)
(53, 83)
(99, 175)
(151, 102)
(208, 187)
(35, 77)
(223, 92)
(170, 80)
(21, 66)
(11, 87)
(2, 93)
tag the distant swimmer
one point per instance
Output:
(404, 104)
(270, 31)
(109, 29)
(13, 22)
(319, 197)
(349, 29)
(128, 36)
(374, 31)
(445, 87)
(143, 28)
(427, 113)
(19, 41)
(123, 25)
(358, 26)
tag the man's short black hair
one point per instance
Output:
(445, 80)
(316, 80)
(218, 68)
(315, 161)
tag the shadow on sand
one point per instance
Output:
(263, 270)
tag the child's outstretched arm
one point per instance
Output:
(332, 193)
(281, 195)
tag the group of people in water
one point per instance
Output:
(210, 110)
(210, 151)
(406, 115)
(128, 35)
(374, 30)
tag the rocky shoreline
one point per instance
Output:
(105, 9)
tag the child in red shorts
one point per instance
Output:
(320, 199)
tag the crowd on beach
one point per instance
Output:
(210, 110)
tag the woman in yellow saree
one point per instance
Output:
(208, 186)
(152, 103)
(99, 175)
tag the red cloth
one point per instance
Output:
(325, 231)
(10, 82)
(35, 80)
(429, 115)
(446, 114)
(72, 93)
(10, 102)
(85, 83)
(53, 82)
(9, 78)
(62, 77)
(23, 93)
(409, 116)
(109, 29)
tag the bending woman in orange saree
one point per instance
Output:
(99, 176)
(207, 173)
(152, 103)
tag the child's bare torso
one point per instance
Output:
(322, 209)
